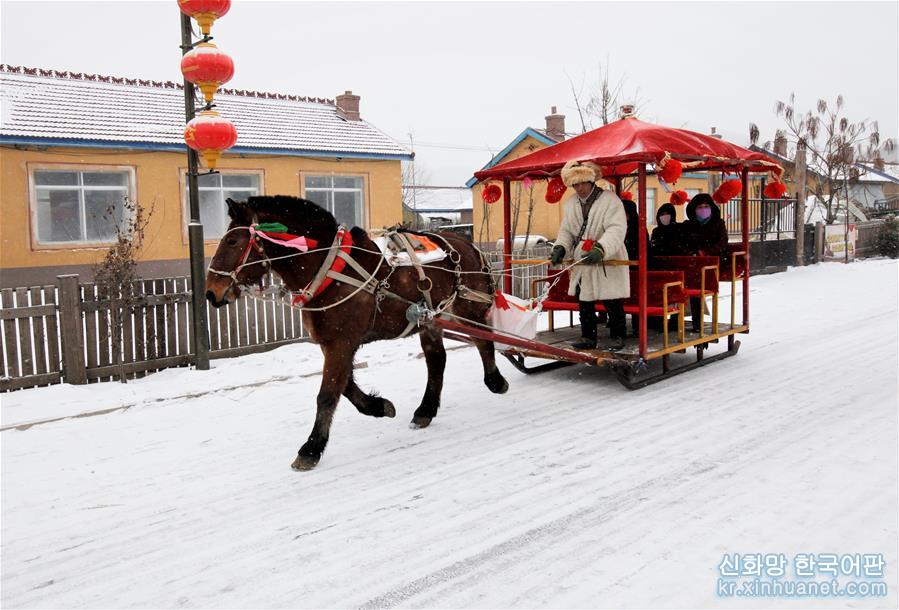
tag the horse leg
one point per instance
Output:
(368, 404)
(435, 357)
(493, 379)
(337, 370)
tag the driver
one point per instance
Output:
(592, 231)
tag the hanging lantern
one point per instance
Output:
(491, 193)
(727, 191)
(554, 190)
(205, 12)
(626, 196)
(775, 190)
(679, 197)
(670, 170)
(208, 68)
(210, 134)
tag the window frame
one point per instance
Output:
(651, 211)
(32, 168)
(366, 194)
(185, 203)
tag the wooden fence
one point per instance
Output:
(866, 239)
(65, 332)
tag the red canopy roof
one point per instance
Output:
(618, 147)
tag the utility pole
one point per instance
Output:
(195, 227)
(801, 193)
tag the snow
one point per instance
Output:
(568, 491)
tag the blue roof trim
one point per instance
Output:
(499, 156)
(245, 150)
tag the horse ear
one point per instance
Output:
(235, 208)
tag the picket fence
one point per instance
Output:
(63, 332)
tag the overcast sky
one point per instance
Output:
(464, 78)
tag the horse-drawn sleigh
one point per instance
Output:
(351, 296)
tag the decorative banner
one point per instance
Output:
(208, 68)
(835, 241)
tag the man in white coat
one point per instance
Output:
(593, 228)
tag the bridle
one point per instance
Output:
(254, 243)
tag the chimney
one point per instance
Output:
(879, 163)
(348, 106)
(715, 134)
(780, 145)
(555, 125)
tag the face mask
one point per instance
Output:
(703, 213)
(665, 219)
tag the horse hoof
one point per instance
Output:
(419, 422)
(389, 409)
(496, 383)
(304, 462)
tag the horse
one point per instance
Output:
(351, 309)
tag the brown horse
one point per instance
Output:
(343, 316)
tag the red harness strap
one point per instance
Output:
(345, 245)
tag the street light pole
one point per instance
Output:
(195, 227)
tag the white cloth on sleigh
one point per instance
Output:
(397, 256)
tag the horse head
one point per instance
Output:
(243, 258)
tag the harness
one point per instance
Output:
(338, 257)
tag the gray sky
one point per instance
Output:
(465, 78)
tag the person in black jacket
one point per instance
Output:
(632, 237)
(667, 238)
(704, 234)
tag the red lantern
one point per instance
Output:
(679, 197)
(491, 193)
(670, 170)
(208, 68)
(626, 196)
(204, 11)
(727, 191)
(775, 190)
(555, 188)
(210, 134)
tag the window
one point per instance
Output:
(214, 190)
(79, 206)
(343, 196)
(691, 193)
(650, 206)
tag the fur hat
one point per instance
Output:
(576, 172)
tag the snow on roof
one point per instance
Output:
(441, 198)
(46, 104)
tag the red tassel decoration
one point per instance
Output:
(671, 171)
(727, 191)
(626, 196)
(775, 190)
(679, 197)
(491, 193)
(554, 190)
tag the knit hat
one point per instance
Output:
(576, 172)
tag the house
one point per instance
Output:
(440, 205)
(528, 197)
(75, 145)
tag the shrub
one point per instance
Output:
(887, 242)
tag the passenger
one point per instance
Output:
(632, 245)
(667, 237)
(705, 234)
(593, 229)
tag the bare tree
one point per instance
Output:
(835, 146)
(115, 274)
(414, 176)
(604, 97)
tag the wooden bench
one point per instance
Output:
(665, 295)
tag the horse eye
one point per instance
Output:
(232, 241)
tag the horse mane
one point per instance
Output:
(296, 213)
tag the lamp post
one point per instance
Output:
(210, 135)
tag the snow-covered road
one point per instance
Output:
(569, 491)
